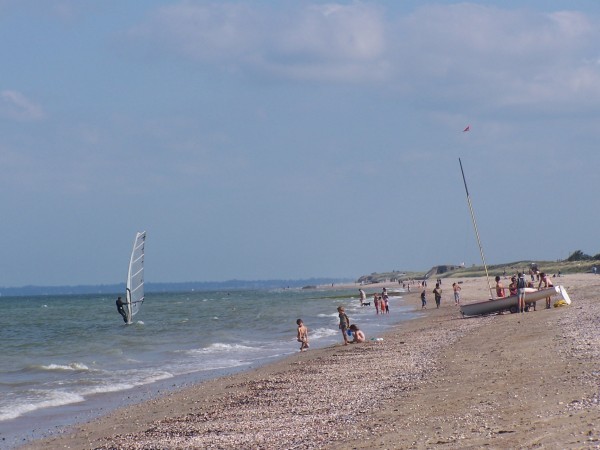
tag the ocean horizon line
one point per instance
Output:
(162, 287)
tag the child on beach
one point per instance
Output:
(456, 288)
(344, 323)
(302, 335)
(357, 334)
(423, 299)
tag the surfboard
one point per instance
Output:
(564, 295)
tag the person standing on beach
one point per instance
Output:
(456, 288)
(499, 288)
(545, 280)
(376, 302)
(363, 297)
(344, 323)
(385, 304)
(302, 335)
(521, 283)
(512, 287)
(437, 293)
(423, 299)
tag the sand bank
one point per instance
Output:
(505, 381)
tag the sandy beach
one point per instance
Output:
(439, 381)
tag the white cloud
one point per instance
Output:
(15, 105)
(437, 53)
(315, 42)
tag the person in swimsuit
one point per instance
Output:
(545, 280)
(344, 323)
(499, 288)
(357, 334)
(363, 297)
(456, 289)
(302, 335)
(512, 287)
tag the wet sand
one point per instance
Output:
(503, 381)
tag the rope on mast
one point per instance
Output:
(487, 275)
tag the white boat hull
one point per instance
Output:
(512, 303)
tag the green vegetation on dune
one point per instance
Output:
(578, 262)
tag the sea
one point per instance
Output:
(68, 359)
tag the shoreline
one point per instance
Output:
(436, 379)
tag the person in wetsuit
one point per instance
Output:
(121, 310)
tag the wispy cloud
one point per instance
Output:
(15, 105)
(328, 42)
(452, 51)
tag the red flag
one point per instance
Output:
(467, 129)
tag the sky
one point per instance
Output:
(293, 139)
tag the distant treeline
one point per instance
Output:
(578, 255)
(169, 287)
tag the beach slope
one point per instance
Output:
(504, 381)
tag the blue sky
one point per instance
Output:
(291, 139)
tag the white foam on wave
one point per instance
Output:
(53, 399)
(328, 315)
(74, 366)
(137, 380)
(220, 347)
(321, 333)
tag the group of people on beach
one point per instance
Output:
(517, 287)
(437, 294)
(348, 330)
(380, 301)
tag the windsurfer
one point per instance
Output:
(121, 310)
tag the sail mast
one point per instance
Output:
(476, 231)
(135, 277)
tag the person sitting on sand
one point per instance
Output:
(302, 335)
(357, 334)
(344, 323)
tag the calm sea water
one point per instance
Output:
(62, 356)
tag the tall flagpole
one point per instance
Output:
(476, 232)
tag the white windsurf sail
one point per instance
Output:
(135, 277)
